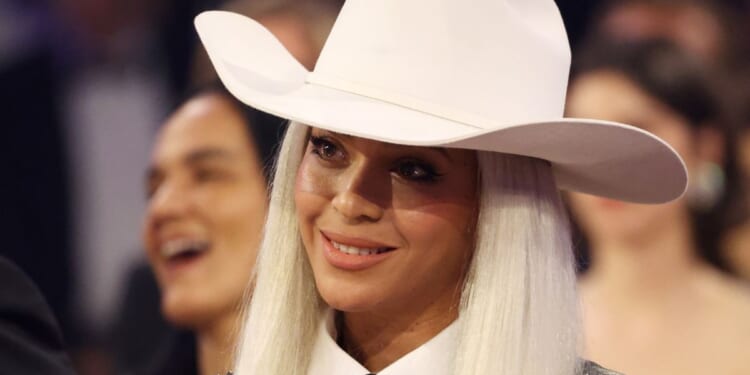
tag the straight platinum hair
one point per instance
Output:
(519, 308)
(518, 312)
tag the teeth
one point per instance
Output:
(353, 250)
(180, 246)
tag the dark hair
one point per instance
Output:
(689, 88)
(265, 130)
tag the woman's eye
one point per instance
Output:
(154, 181)
(416, 171)
(202, 175)
(151, 189)
(325, 149)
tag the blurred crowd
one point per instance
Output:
(113, 124)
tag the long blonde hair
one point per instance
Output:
(518, 308)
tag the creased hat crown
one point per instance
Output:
(482, 63)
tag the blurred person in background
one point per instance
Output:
(708, 29)
(116, 93)
(737, 241)
(83, 87)
(654, 301)
(207, 204)
(717, 34)
(301, 26)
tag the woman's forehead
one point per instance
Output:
(375, 148)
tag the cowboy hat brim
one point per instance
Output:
(597, 157)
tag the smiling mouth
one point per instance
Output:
(354, 254)
(353, 250)
(183, 249)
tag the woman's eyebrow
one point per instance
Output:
(204, 154)
(334, 134)
(443, 151)
(155, 172)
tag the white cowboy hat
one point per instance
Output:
(484, 75)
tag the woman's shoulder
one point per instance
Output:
(591, 368)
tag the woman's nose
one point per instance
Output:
(354, 207)
(170, 201)
(363, 194)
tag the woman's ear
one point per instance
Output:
(710, 145)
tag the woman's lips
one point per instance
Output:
(353, 254)
(177, 247)
(182, 253)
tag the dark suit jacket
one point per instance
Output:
(30, 340)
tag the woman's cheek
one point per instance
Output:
(434, 213)
(312, 194)
(314, 178)
(432, 223)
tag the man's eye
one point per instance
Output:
(325, 149)
(415, 170)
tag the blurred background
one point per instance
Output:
(86, 84)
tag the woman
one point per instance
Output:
(652, 281)
(207, 202)
(403, 237)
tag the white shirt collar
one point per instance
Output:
(435, 357)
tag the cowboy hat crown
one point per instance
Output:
(482, 63)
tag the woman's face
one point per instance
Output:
(387, 228)
(207, 201)
(608, 95)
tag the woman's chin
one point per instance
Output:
(187, 313)
(351, 302)
(379, 292)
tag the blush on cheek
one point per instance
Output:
(432, 216)
(308, 198)
(304, 181)
(313, 178)
(437, 221)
